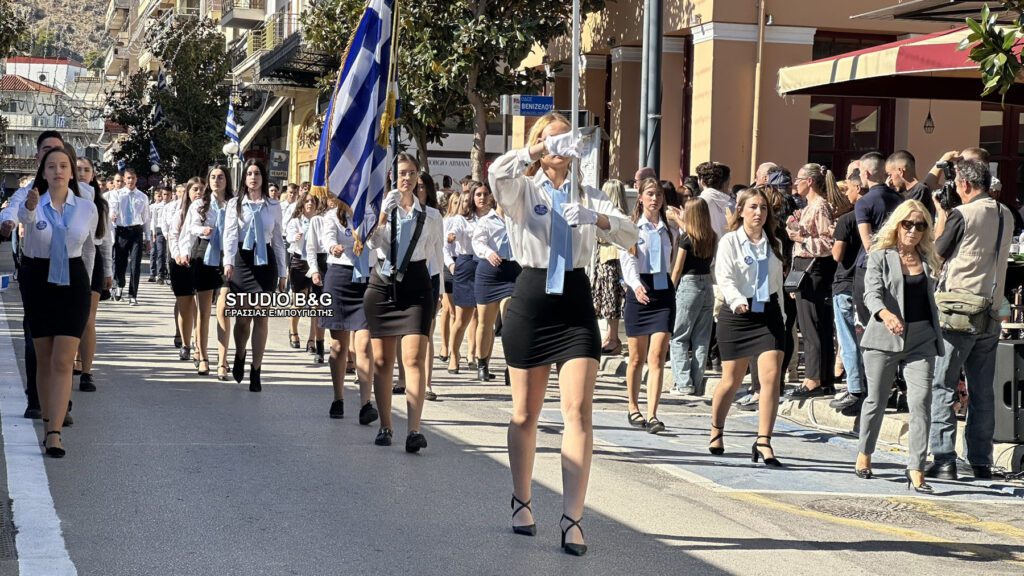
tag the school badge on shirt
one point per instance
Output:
(41, 225)
(748, 260)
(540, 210)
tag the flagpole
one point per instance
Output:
(574, 93)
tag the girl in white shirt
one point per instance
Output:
(398, 301)
(459, 258)
(650, 302)
(58, 223)
(102, 275)
(315, 254)
(202, 239)
(551, 320)
(181, 271)
(255, 263)
(496, 274)
(296, 235)
(748, 268)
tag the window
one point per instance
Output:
(1002, 134)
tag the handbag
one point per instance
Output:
(795, 278)
(967, 313)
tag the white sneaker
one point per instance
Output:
(117, 293)
(133, 301)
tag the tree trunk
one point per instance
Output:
(478, 155)
(420, 136)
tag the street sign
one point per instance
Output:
(527, 105)
(279, 164)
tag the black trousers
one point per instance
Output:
(128, 249)
(158, 258)
(817, 319)
(30, 355)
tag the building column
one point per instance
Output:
(673, 107)
(624, 133)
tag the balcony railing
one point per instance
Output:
(243, 13)
(115, 61)
(117, 14)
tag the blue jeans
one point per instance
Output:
(977, 356)
(692, 331)
(845, 313)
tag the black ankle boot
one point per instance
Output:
(481, 369)
(254, 379)
(319, 356)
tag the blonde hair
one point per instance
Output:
(888, 235)
(615, 190)
(536, 133)
(824, 182)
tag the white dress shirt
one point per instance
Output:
(435, 262)
(85, 191)
(463, 228)
(126, 200)
(236, 227)
(39, 232)
(192, 231)
(527, 207)
(287, 208)
(326, 232)
(736, 272)
(488, 233)
(155, 218)
(296, 227)
(172, 227)
(103, 248)
(634, 266)
(429, 245)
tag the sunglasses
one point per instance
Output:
(909, 225)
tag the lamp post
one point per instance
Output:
(231, 151)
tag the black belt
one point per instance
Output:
(135, 227)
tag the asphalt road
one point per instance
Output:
(172, 473)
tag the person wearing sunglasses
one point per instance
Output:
(903, 327)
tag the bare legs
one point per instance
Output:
(486, 315)
(650, 350)
(768, 366)
(414, 351)
(205, 301)
(612, 335)
(186, 318)
(87, 348)
(576, 386)
(463, 317)
(55, 360)
(447, 318)
(223, 331)
(341, 342)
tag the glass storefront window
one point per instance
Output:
(864, 127)
(823, 127)
(991, 137)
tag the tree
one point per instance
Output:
(996, 48)
(13, 27)
(194, 104)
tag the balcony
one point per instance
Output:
(188, 8)
(289, 62)
(214, 9)
(117, 14)
(116, 60)
(149, 61)
(243, 13)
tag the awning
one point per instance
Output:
(953, 11)
(927, 67)
(253, 128)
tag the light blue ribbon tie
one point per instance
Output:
(212, 257)
(361, 267)
(761, 293)
(125, 206)
(406, 228)
(560, 251)
(504, 247)
(656, 260)
(255, 236)
(60, 272)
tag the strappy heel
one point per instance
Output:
(755, 453)
(201, 370)
(222, 372)
(570, 548)
(293, 340)
(53, 451)
(717, 450)
(517, 505)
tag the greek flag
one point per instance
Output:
(161, 81)
(158, 114)
(353, 159)
(154, 156)
(231, 129)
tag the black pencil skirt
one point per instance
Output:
(540, 329)
(347, 311)
(182, 282)
(656, 316)
(96, 283)
(495, 283)
(321, 265)
(249, 278)
(205, 277)
(748, 335)
(402, 308)
(297, 269)
(53, 310)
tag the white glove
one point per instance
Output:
(563, 145)
(390, 202)
(578, 215)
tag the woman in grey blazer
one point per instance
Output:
(899, 292)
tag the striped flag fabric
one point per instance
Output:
(353, 158)
(154, 156)
(161, 81)
(231, 129)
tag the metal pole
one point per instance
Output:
(645, 65)
(575, 95)
(754, 137)
(653, 88)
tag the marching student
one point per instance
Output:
(182, 272)
(551, 319)
(332, 233)
(102, 274)
(496, 274)
(427, 195)
(129, 212)
(462, 264)
(255, 262)
(316, 260)
(295, 237)
(650, 302)
(398, 302)
(58, 224)
(158, 257)
(748, 268)
(447, 307)
(202, 239)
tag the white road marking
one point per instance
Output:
(40, 543)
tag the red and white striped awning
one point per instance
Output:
(929, 66)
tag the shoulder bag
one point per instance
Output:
(968, 313)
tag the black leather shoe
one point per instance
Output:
(901, 404)
(803, 393)
(982, 472)
(33, 413)
(414, 442)
(85, 383)
(853, 410)
(338, 409)
(383, 437)
(942, 471)
(842, 402)
(367, 414)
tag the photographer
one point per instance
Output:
(974, 242)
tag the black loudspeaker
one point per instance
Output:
(1008, 387)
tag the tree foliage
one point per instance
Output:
(13, 27)
(996, 48)
(194, 104)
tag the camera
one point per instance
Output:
(947, 195)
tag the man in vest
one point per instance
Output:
(975, 254)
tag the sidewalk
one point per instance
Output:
(815, 413)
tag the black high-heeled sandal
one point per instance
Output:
(717, 450)
(922, 488)
(310, 348)
(53, 451)
(526, 529)
(755, 453)
(254, 379)
(238, 370)
(570, 548)
(293, 340)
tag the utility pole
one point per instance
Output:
(650, 101)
